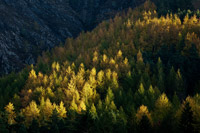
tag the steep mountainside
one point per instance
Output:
(138, 72)
(27, 27)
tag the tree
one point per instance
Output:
(139, 96)
(93, 112)
(139, 56)
(87, 91)
(175, 102)
(110, 94)
(61, 110)
(55, 120)
(31, 112)
(162, 108)
(73, 106)
(114, 84)
(187, 119)
(161, 82)
(34, 127)
(142, 111)
(3, 125)
(11, 114)
(95, 59)
(80, 77)
(144, 125)
(47, 109)
(100, 80)
(140, 64)
(151, 97)
(32, 74)
(172, 83)
(180, 85)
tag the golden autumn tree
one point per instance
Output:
(143, 110)
(62, 113)
(31, 112)
(10, 113)
(80, 77)
(95, 59)
(82, 106)
(73, 105)
(162, 107)
(87, 91)
(92, 78)
(100, 79)
(47, 110)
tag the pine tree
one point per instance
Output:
(144, 125)
(140, 64)
(139, 96)
(20, 126)
(172, 83)
(100, 81)
(73, 106)
(160, 76)
(3, 125)
(62, 110)
(114, 84)
(162, 108)
(87, 91)
(180, 85)
(11, 114)
(80, 77)
(187, 119)
(93, 112)
(55, 120)
(151, 97)
(47, 109)
(34, 127)
(31, 112)
(143, 110)
(175, 102)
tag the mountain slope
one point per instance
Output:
(132, 73)
(29, 27)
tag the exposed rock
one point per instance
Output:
(28, 27)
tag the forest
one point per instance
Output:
(138, 72)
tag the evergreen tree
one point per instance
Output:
(161, 83)
(54, 128)
(187, 119)
(93, 112)
(3, 125)
(172, 82)
(10, 113)
(34, 127)
(180, 85)
(144, 125)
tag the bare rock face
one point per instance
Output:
(28, 27)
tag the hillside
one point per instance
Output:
(137, 72)
(29, 27)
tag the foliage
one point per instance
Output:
(130, 72)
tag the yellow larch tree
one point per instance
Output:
(81, 106)
(80, 77)
(100, 78)
(92, 78)
(62, 113)
(162, 107)
(95, 59)
(143, 110)
(73, 105)
(47, 110)
(31, 112)
(11, 114)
